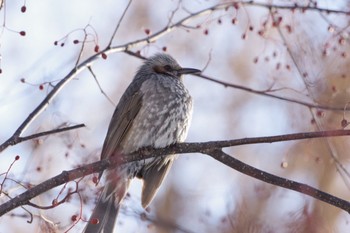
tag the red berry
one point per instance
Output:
(289, 28)
(344, 123)
(341, 41)
(41, 87)
(261, 32)
(22, 33)
(23, 9)
(55, 43)
(74, 218)
(147, 31)
(17, 157)
(75, 41)
(97, 48)
(331, 29)
(234, 21)
(320, 113)
(104, 56)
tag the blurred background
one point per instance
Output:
(271, 47)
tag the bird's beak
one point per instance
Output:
(188, 71)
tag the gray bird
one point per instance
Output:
(155, 110)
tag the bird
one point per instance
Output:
(154, 111)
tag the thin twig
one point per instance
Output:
(13, 141)
(295, 7)
(99, 86)
(81, 49)
(118, 24)
(31, 217)
(264, 93)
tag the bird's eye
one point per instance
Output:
(168, 68)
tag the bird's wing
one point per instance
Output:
(121, 122)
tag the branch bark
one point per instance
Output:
(212, 149)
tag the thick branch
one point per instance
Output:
(244, 168)
(211, 148)
(65, 176)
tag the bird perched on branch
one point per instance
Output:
(156, 111)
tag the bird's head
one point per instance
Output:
(164, 64)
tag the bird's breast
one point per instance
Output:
(164, 116)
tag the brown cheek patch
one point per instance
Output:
(159, 69)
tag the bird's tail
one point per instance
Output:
(104, 216)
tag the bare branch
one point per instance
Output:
(118, 24)
(211, 148)
(99, 86)
(296, 7)
(244, 168)
(15, 140)
(264, 93)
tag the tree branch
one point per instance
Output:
(210, 148)
(265, 93)
(118, 24)
(246, 169)
(248, 89)
(15, 140)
